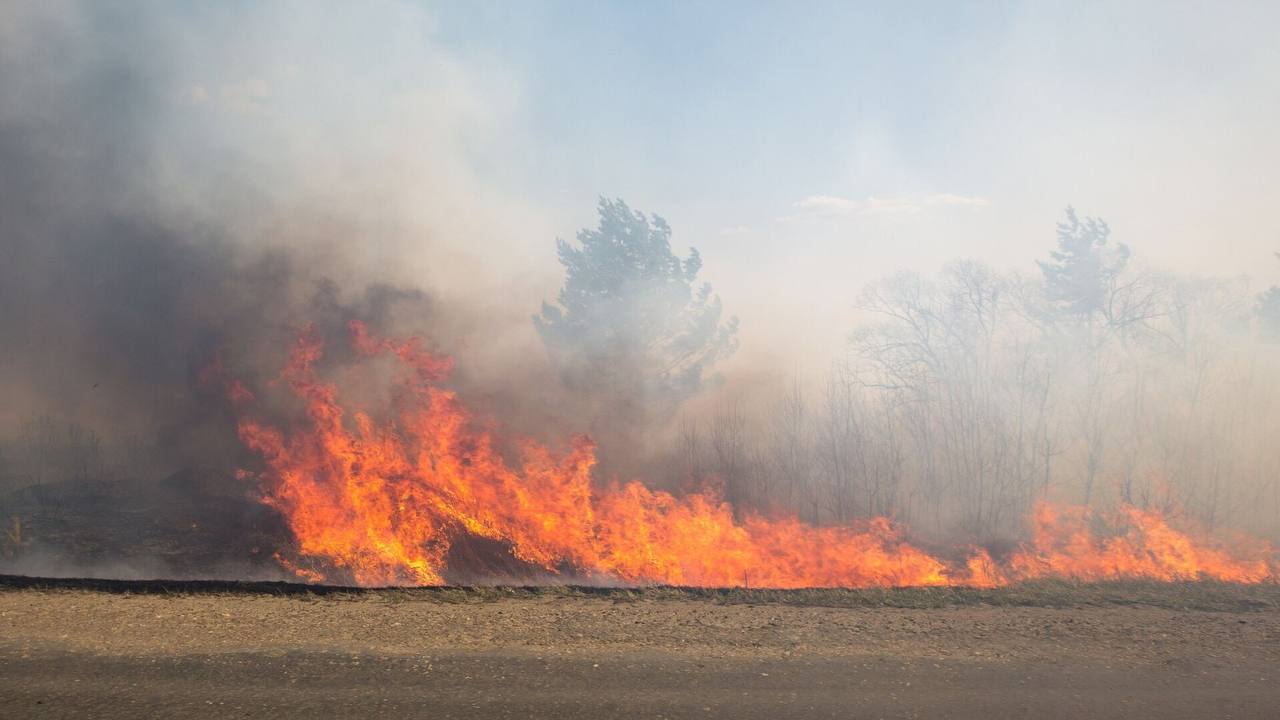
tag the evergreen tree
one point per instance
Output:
(631, 319)
(1268, 311)
(1082, 273)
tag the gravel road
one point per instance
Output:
(75, 653)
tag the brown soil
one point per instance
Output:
(561, 653)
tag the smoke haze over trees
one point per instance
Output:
(971, 395)
(184, 190)
(1268, 310)
(632, 329)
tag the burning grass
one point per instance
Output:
(374, 503)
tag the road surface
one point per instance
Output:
(75, 653)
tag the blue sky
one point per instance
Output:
(725, 105)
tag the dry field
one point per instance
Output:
(128, 649)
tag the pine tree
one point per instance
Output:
(1083, 270)
(1268, 311)
(631, 318)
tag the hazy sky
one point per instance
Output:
(804, 150)
(835, 143)
(745, 123)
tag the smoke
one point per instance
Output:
(182, 190)
(183, 183)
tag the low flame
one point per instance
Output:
(382, 503)
(1144, 546)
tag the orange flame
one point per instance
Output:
(383, 502)
(1146, 546)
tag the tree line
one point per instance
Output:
(963, 398)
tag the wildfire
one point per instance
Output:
(382, 502)
(1145, 546)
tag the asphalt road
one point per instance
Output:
(496, 685)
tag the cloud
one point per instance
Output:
(974, 201)
(826, 205)
(834, 206)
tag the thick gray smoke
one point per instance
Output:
(113, 300)
(182, 191)
(116, 300)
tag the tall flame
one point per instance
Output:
(384, 502)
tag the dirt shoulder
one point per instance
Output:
(122, 624)
(564, 653)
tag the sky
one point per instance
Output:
(805, 151)
(808, 150)
(939, 129)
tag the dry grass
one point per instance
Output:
(1201, 595)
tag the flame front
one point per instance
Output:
(1145, 547)
(384, 502)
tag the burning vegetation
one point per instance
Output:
(380, 503)
(165, 227)
(967, 441)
